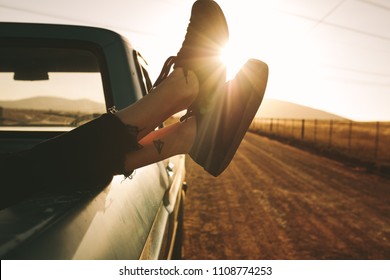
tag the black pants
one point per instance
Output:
(82, 158)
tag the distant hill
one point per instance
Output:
(55, 104)
(272, 108)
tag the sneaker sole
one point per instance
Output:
(254, 72)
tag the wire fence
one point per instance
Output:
(363, 141)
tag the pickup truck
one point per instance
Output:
(54, 78)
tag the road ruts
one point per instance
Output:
(278, 202)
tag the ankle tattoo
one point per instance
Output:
(159, 144)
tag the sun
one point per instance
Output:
(233, 58)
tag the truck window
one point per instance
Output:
(48, 87)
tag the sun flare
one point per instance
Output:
(233, 59)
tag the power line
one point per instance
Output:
(355, 81)
(375, 4)
(75, 20)
(356, 70)
(328, 14)
(351, 29)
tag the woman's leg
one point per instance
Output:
(173, 95)
(158, 145)
(98, 149)
(212, 140)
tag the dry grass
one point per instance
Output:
(29, 117)
(362, 141)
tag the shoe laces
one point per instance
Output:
(164, 74)
(165, 70)
(176, 59)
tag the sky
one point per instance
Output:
(332, 55)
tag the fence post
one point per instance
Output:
(330, 133)
(284, 127)
(303, 129)
(292, 128)
(270, 125)
(349, 136)
(376, 142)
(315, 131)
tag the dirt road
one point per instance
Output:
(278, 202)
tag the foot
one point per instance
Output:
(207, 33)
(161, 144)
(173, 95)
(220, 131)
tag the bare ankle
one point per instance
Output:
(163, 143)
(188, 134)
(174, 94)
(185, 86)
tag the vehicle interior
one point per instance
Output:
(46, 91)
